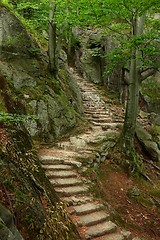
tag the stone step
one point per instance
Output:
(46, 160)
(100, 229)
(96, 111)
(87, 208)
(57, 167)
(74, 163)
(73, 190)
(76, 200)
(120, 120)
(88, 91)
(106, 114)
(51, 160)
(100, 120)
(66, 182)
(112, 126)
(90, 109)
(92, 218)
(107, 125)
(93, 106)
(60, 174)
(123, 235)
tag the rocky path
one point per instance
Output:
(65, 163)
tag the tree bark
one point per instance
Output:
(129, 126)
(52, 39)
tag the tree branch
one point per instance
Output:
(150, 73)
(113, 30)
(147, 69)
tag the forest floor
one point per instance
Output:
(135, 201)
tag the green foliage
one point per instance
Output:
(2, 106)
(4, 2)
(9, 118)
(151, 88)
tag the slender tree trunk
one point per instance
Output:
(129, 126)
(131, 108)
(52, 39)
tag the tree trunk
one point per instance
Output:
(129, 126)
(52, 39)
(131, 108)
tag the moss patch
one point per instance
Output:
(151, 88)
(2, 106)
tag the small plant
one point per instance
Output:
(9, 118)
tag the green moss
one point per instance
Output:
(155, 191)
(36, 93)
(151, 88)
(2, 106)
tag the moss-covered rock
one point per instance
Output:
(8, 231)
(55, 103)
(148, 143)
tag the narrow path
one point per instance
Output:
(64, 166)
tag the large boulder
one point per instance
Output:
(14, 39)
(56, 104)
(93, 45)
(8, 231)
(147, 142)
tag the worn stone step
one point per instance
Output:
(69, 191)
(100, 229)
(46, 160)
(93, 218)
(93, 115)
(60, 173)
(87, 208)
(123, 235)
(88, 111)
(106, 115)
(118, 120)
(75, 163)
(100, 120)
(110, 125)
(77, 200)
(94, 108)
(57, 167)
(66, 182)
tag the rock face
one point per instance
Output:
(8, 230)
(149, 145)
(93, 45)
(55, 103)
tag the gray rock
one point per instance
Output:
(32, 127)
(73, 190)
(100, 229)
(57, 104)
(42, 112)
(33, 104)
(146, 140)
(8, 231)
(61, 173)
(87, 208)
(90, 66)
(93, 218)
(155, 118)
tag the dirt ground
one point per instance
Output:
(135, 202)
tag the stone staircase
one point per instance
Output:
(63, 166)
